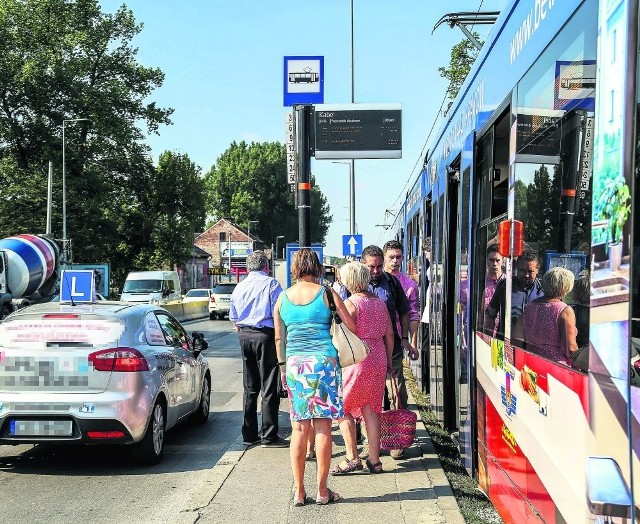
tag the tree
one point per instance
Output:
(249, 182)
(178, 194)
(59, 61)
(463, 55)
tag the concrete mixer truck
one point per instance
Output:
(29, 271)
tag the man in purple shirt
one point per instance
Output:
(251, 311)
(393, 256)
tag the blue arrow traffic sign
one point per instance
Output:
(351, 245)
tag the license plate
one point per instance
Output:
(224, 299)
(41, 428)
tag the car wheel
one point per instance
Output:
(201, 415)
(150, 449)
(212, 316)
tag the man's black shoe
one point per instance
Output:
(250, 443)
(278, 443)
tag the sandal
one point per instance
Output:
(300, 502)
(374, 468)
(346, 466)
(331, 497)
(311, 455)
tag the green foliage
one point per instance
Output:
(249, 182)
(62, 60)
(178, 195)
(463, 55)
(614, 204)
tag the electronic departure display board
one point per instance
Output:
(358, 131)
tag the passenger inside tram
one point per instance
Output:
(548, 323)
(525, 288)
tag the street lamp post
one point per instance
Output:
(352, 203)
(278, 238)
(249, 231)
(65, 240)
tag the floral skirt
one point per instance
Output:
(315, 387)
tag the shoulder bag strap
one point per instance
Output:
(332, 306)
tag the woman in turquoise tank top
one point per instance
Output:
(310, 368)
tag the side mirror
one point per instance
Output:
(199, 342)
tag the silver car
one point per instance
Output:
(221, 300)
(105, 372)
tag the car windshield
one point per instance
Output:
(198, 293)
(142, 286)
(224, 289)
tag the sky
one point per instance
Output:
(223, 65)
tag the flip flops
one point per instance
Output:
(331, 497)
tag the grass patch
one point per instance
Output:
(474, 506)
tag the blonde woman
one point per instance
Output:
(363, 383)
(549, 324)
(310, 369)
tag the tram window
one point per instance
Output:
(493, 169)
(551, 190)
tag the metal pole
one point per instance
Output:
(249, 231)
(49, 197)
(278, 238)
(304, 175)
(65, 240)
(352, 170)
(64, 199)
(229, 253)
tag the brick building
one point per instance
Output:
(225, 241)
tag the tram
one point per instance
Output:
(537, 161)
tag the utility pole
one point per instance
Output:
(303, 138)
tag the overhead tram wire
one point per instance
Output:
(421, 156)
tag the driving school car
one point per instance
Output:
(100, 373)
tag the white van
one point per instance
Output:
(151, 287)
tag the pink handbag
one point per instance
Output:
(397, 426)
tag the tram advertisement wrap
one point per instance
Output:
(536, 427)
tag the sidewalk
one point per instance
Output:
(255, 485)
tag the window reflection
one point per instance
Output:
(552, 197)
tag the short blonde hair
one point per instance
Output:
(355, 276)
(557, 282)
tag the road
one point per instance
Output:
(99, 484)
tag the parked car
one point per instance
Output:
(221, 299)
(101, 373)
(197, 295)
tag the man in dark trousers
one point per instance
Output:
(251, 311)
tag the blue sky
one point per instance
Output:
(223, 65)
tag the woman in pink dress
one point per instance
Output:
(549, 324)
(363, 383)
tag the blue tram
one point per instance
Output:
(536, 166)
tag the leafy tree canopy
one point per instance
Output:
(67, 65)
(463, 55)
(249, 182)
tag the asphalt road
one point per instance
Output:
(99, 484)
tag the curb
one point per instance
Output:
(433, 468)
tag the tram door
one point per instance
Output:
(444, 365)
(464, 391)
